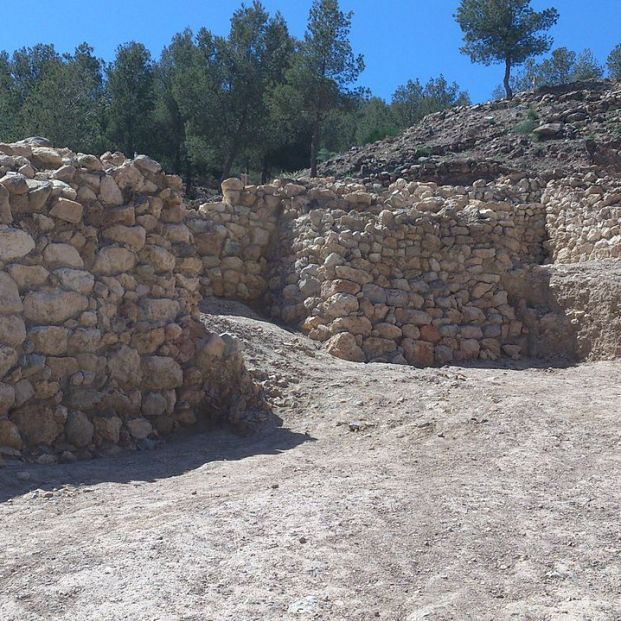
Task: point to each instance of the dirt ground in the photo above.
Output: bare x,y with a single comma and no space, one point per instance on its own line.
375,492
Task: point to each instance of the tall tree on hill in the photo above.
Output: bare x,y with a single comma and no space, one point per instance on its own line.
65,103
131,98
222,89
9,102
323,70
562,67
504,31
614,63
587,67
169,119
413,100
257,53
29,64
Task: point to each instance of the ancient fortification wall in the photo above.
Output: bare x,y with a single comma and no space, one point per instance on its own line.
102,268
415,273
583,219
100,339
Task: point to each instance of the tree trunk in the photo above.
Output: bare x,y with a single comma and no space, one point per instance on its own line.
228,164
508,79
188,176
315,146
265,170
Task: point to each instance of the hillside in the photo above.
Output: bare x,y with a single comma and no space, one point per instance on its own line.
552,132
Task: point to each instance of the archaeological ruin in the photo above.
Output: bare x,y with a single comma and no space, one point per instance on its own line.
103,266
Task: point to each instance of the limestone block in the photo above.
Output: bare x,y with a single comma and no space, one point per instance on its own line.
14,244
53,307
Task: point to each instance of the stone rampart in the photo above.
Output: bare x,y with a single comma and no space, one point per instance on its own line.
101,343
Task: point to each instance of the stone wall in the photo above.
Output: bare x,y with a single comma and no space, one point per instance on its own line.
583,219
102,268
233,239
410,274
415,273
101,343
410,286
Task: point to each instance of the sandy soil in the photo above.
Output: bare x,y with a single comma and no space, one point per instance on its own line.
376,492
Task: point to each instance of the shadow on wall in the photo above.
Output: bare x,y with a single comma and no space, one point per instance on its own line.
551,335
573,312
171,460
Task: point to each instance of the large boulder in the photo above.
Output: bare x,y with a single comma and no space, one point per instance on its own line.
12,330
79,429
8,359
67,210
39,424
161,373
113,260
344,346
49,340
7,399
134,237
109,192
53,307
9,435
341,305
75,280
124,366
62,255
10,302
14,244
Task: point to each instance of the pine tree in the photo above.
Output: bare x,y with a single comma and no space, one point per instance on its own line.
504,31
614,63
323,70
131,98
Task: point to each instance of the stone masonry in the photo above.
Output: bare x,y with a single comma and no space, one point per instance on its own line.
102,268
101,343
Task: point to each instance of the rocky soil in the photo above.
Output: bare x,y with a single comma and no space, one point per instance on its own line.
376,492
553,132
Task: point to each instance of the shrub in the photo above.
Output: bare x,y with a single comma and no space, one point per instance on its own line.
525,127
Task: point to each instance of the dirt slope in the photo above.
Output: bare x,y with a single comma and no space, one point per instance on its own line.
388,492
582,124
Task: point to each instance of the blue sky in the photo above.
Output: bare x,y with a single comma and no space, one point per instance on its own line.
400,39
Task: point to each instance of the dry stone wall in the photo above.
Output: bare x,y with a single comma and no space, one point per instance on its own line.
101,343
233,240
415,273
583,219
102,268
419,286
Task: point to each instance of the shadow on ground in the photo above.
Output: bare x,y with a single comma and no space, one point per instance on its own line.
174,459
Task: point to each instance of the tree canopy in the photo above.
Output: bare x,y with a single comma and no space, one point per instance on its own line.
256,100
504,31
614,63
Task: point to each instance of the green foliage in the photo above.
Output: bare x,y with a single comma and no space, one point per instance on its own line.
423,152
614,63
66,102
526,127
563,66
325,154
532,114
255,100
324,66
504,31
586,67
413,101
131,98
9,102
